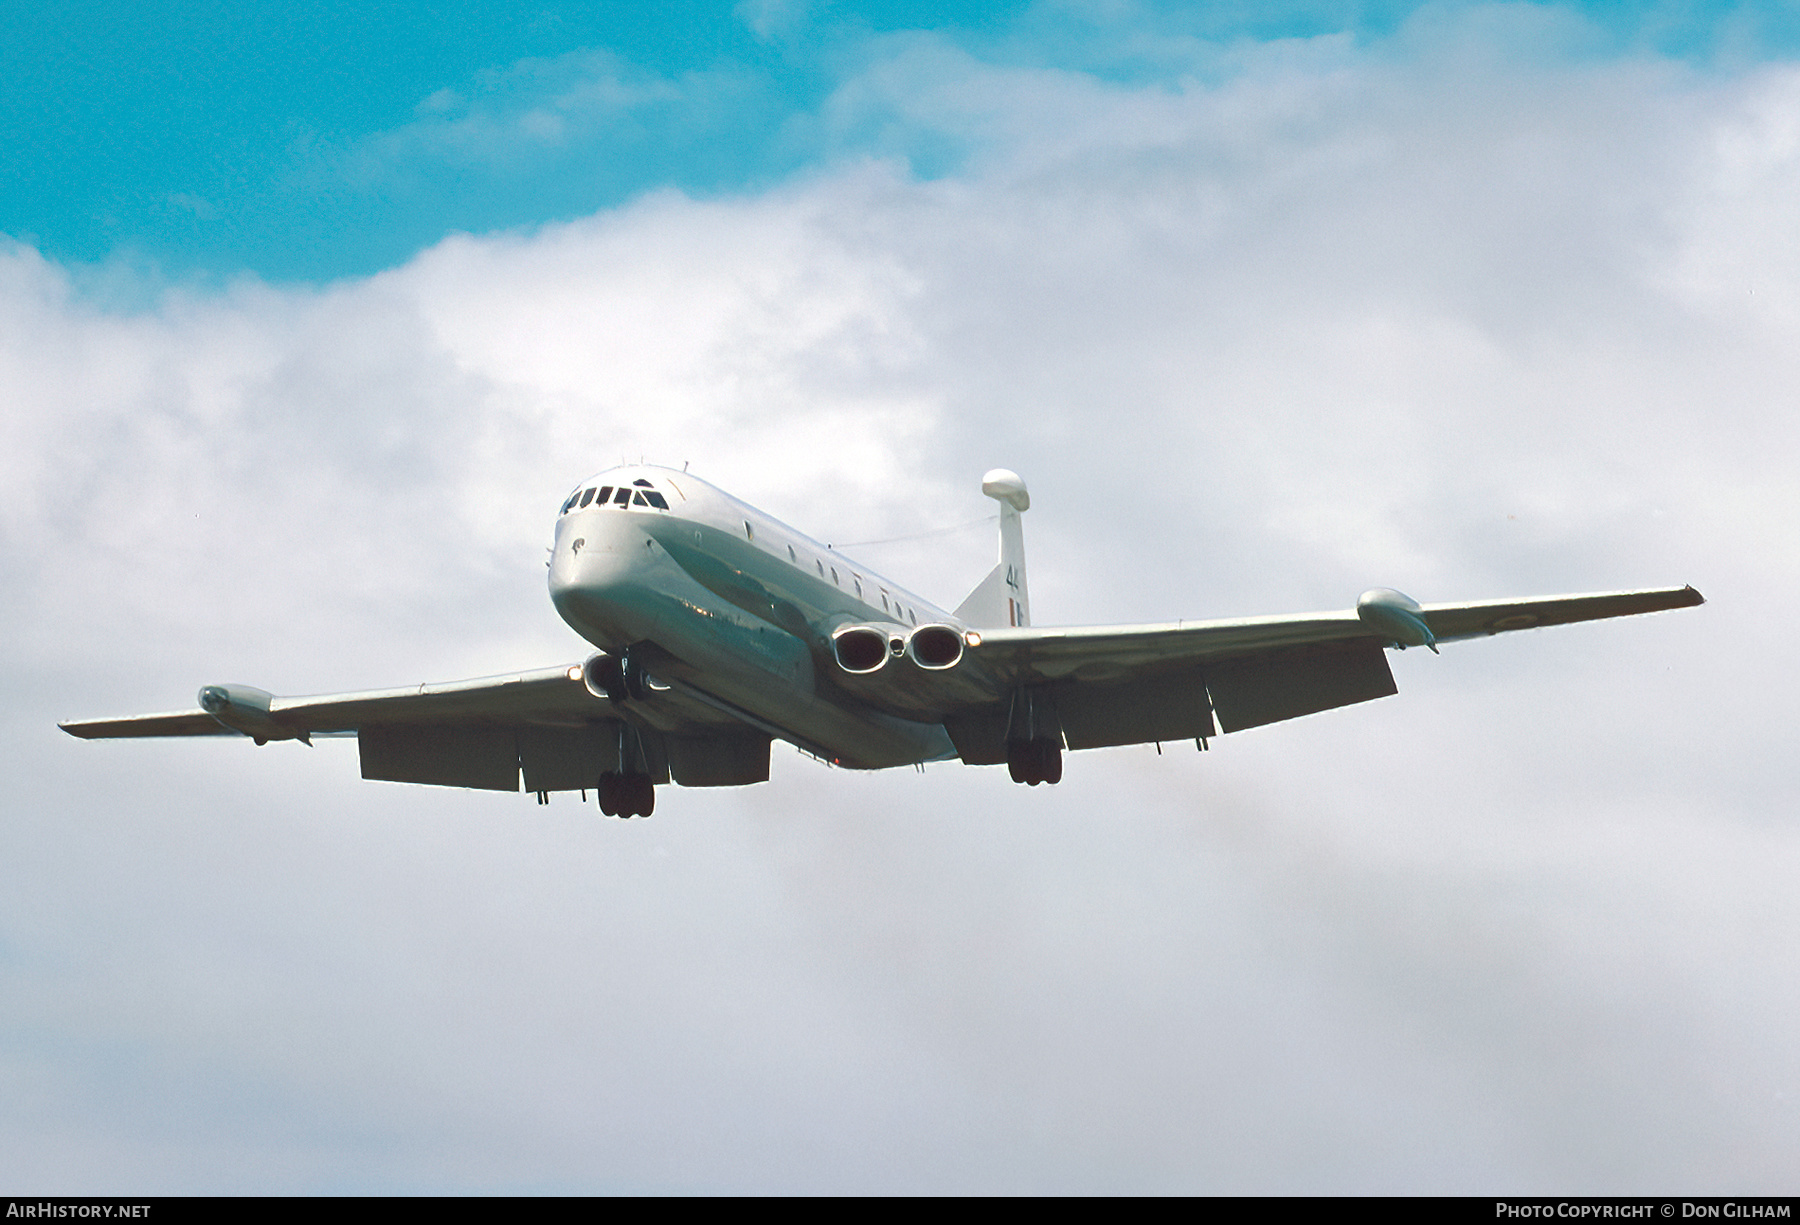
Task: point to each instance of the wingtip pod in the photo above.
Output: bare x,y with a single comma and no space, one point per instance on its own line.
1396,617
245,708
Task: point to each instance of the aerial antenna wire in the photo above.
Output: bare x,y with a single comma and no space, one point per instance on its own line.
936,531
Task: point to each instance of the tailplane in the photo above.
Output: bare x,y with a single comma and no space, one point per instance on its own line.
1001,599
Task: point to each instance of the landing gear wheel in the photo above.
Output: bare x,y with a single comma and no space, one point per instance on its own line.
1035,761
627,795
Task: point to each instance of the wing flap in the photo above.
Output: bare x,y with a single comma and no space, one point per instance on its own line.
1170,707
1268,689
486,758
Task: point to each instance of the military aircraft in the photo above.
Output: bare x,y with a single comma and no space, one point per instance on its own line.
720,630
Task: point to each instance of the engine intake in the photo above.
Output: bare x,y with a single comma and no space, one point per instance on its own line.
618,677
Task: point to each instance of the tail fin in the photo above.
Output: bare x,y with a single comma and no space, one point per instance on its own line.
1002,599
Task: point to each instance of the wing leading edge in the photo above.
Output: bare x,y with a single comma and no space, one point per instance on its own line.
1106,652
546,694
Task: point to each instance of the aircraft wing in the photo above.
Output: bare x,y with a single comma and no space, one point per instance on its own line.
546,694
175,723
1134,684
1101,651
1486,617
479,733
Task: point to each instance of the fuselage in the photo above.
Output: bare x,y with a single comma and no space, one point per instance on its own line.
729,601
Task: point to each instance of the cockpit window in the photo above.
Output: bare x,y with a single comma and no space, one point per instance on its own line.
643,482
657,500
623,497
571,501
639,500
587,495
605,493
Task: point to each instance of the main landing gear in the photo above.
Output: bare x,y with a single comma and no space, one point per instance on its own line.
1035,761
627,795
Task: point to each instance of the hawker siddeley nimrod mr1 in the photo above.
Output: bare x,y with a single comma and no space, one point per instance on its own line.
721,630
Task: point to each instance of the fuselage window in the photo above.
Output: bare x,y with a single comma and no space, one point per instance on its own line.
884,603
834,577
623,497
821,566
791,555
858,583
587,495
749,532
656,499
912,614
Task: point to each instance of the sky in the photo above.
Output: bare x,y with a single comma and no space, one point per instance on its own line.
308,322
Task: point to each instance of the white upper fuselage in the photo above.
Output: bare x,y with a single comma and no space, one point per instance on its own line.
735,603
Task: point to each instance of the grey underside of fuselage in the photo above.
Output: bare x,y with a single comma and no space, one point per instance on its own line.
712,612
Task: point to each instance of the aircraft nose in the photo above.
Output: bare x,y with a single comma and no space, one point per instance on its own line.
597,579
594,556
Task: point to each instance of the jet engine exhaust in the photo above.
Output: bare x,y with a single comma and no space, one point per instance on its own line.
860,649
935,647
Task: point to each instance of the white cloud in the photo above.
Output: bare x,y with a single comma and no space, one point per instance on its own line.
1345,318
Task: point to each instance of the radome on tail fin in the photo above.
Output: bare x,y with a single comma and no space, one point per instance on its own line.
1002,597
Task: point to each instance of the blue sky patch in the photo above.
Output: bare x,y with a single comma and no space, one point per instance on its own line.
313,142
